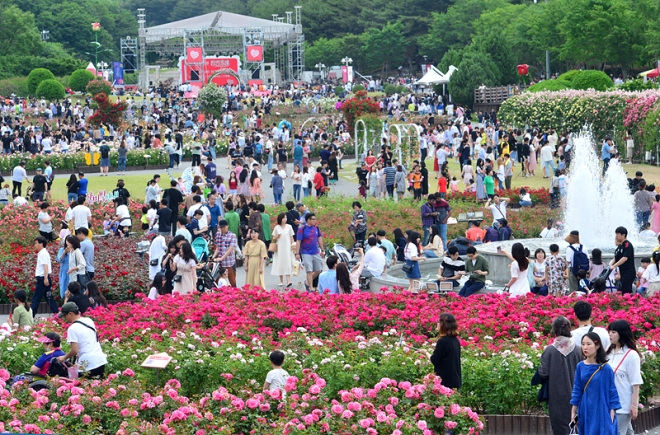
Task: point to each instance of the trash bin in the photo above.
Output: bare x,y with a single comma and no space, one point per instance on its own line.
94,156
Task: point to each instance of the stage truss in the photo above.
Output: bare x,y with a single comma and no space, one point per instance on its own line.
284,39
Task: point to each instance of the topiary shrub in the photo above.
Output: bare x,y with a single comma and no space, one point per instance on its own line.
592,79
550,85
99,86
358,88
79,80
401,89
339,90
37,76
390,89
569,75
51,89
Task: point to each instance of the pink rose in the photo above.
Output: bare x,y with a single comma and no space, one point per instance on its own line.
422,425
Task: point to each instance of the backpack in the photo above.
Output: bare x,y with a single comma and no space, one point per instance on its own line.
580,260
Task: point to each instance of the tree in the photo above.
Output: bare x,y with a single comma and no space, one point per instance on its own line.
106,112
451,57
211,98
79,79
497,48
475,68
325,51
50,89
385,47
37,76
18,32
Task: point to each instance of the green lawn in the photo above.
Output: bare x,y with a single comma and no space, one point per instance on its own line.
135,184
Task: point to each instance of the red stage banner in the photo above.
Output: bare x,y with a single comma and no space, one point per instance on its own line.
255,53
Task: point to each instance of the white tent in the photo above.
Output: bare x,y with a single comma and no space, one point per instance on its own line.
435,77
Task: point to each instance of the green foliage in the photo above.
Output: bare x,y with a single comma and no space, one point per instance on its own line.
99,86
130,78
384,47
390,89
494,44
79,80
357,88
569,75
474,69
50,89
592,79
18,32
35,77
211,98
637,85
339,90
16,86
451,57
550,85
400,89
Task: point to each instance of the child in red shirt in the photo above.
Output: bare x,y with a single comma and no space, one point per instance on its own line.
319,185
442,186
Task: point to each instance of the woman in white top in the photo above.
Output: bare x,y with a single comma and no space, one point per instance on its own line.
185,267
296,176
282,258
652,274
624,359
157,251
306,178
349,281
123,217
518,285
77,263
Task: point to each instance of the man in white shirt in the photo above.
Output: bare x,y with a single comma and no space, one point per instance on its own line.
19,201
498,207
83,338
42,274
81,214
582,310
374,260
549,232
547,160
197,204
18,175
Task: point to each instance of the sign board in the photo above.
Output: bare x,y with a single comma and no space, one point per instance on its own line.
255,53
193,71
102,196
157,361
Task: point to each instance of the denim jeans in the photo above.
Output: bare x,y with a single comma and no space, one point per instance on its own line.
70,197
296,191
525,204
40,291
212,151
172,160
427,233
305,192
430,253
550,164
121,164
443,234
390,190
270,162
642,217
278,198
470,288
297,163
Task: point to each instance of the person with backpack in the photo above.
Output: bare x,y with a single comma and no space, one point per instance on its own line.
577,257
51,342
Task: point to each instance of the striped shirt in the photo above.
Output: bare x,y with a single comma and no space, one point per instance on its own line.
390,174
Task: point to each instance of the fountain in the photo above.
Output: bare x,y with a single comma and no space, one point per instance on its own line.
595,206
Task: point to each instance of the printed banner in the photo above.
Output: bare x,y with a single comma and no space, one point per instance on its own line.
118,73
255,53
350,74
344,73
194,54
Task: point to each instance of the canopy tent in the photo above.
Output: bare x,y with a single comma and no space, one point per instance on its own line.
651,74
435,77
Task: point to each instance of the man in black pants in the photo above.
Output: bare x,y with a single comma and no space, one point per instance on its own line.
174,199
17,177
624,259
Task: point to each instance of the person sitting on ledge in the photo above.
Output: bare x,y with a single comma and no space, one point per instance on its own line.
477,269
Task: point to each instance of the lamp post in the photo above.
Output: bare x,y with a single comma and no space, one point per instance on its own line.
321,68
347,61
547,54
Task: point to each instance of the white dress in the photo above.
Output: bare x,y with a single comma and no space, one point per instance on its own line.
283,258
521,285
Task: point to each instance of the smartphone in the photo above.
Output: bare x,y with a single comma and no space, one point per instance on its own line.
499,249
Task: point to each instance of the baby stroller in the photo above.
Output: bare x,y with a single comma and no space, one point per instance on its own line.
207,277
201,248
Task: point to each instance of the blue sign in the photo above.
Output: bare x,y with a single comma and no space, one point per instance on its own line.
118,73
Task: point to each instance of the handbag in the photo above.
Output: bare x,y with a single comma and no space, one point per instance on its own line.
153,262
178,278
272,247
407,268
296,268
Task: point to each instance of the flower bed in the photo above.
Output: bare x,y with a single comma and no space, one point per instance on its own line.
350,353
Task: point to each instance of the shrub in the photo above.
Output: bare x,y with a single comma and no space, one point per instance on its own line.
550,85
99,86
51,89
358,88
79,80
390,89
637,85
401,89
37,76
16,86
339,90
592,79
211,98
569,75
